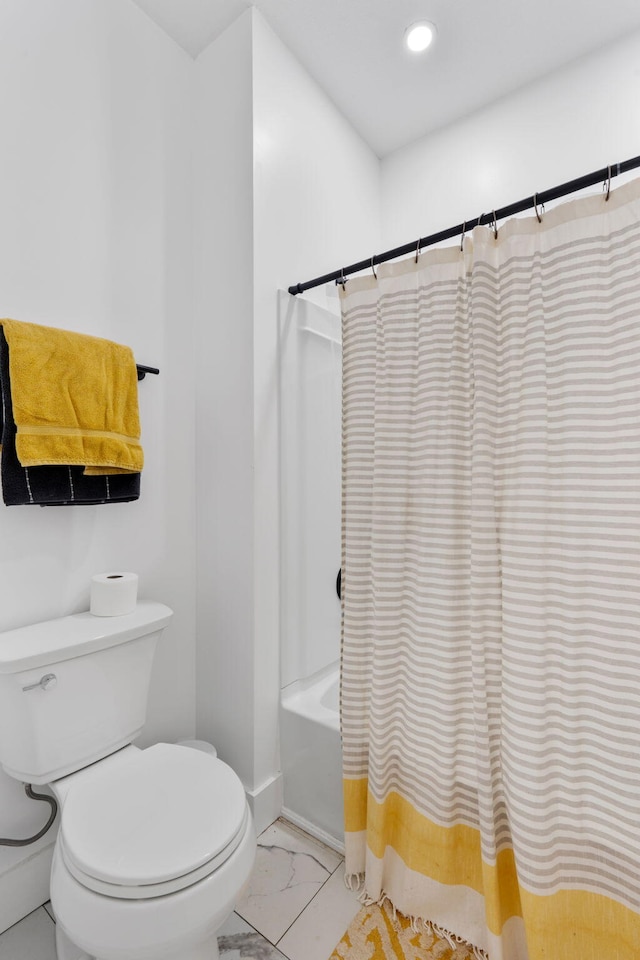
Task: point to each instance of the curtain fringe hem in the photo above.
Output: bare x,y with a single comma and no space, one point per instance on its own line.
354,881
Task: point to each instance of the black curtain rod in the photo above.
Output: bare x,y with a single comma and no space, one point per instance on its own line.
486,218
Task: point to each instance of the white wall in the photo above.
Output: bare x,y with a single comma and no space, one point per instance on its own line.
95,206
224,391
574,121
316,203
310,196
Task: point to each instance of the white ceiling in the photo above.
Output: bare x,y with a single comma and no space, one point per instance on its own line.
354,49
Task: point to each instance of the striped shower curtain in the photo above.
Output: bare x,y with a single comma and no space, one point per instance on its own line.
491,584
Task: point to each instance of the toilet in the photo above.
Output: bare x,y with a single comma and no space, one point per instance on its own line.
155,845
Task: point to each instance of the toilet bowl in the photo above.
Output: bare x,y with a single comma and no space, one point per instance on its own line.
155,846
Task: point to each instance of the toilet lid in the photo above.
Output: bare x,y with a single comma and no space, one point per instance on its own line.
162,815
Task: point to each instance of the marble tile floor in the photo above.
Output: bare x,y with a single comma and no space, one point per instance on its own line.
296,908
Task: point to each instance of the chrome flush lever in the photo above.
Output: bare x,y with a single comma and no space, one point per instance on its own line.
45,683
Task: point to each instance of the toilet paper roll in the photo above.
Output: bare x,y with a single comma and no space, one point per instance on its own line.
113,594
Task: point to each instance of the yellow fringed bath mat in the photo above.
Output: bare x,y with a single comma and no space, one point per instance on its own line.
374,934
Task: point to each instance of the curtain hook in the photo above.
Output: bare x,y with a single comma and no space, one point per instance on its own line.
607,185
464,230
418,249
495,226
342,281
535,204
373,269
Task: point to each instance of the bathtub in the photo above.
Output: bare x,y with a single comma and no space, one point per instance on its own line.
311,756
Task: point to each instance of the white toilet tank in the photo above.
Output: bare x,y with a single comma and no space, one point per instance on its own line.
73,690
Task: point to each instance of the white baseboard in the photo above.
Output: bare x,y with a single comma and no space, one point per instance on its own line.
266,802
25,886
313,831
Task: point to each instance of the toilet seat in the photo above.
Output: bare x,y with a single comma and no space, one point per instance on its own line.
164,819
146,891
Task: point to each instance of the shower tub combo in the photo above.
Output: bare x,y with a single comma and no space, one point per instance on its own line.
310,468
312,756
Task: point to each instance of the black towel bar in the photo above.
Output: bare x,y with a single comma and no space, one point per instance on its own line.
143,371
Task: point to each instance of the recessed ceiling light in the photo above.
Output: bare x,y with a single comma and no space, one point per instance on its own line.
419,36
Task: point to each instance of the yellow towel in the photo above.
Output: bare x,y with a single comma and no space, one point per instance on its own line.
75,400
